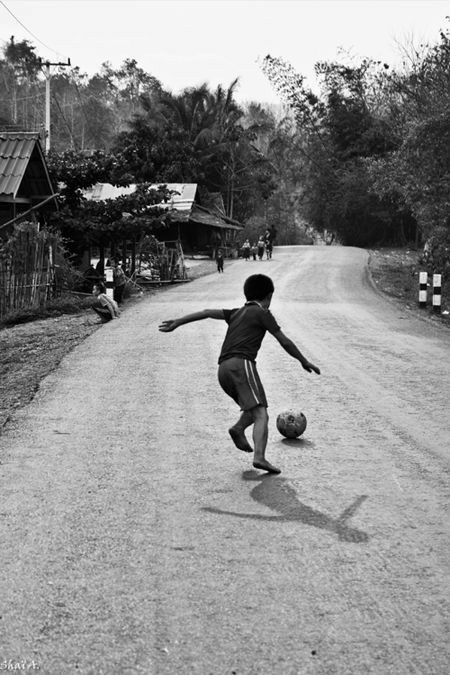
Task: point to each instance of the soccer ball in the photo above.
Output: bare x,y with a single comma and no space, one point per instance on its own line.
291,423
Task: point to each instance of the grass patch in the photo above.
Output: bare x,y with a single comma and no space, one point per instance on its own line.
65,304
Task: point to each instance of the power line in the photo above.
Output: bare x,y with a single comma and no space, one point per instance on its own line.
24,98
27,29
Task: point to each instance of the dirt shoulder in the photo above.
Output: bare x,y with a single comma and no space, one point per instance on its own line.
30,351
395,272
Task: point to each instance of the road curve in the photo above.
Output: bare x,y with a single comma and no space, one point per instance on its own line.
136,539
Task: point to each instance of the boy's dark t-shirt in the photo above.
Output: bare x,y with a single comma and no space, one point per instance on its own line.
247,326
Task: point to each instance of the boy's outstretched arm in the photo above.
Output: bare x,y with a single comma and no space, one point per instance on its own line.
171,324
294,351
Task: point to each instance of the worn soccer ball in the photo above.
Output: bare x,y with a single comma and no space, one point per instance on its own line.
291,423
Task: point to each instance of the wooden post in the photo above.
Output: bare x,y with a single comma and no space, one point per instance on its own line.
437,286
423,281
109,282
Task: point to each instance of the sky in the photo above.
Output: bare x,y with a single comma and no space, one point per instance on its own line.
184,43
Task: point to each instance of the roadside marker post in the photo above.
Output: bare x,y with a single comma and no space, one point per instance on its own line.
437,292
109,283
423,281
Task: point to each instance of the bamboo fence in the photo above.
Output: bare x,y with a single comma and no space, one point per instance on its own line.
160,262
27,276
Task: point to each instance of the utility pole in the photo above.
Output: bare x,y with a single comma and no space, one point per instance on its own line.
47,65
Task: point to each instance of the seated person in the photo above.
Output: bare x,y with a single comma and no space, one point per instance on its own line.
105,307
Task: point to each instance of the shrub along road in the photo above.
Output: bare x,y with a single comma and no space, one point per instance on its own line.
138,539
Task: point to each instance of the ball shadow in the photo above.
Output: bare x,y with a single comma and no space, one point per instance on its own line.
297,442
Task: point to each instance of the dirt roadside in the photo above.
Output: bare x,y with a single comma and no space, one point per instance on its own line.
30,351
395,272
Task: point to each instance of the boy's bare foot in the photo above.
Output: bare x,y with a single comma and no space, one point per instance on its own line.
239,439
264,465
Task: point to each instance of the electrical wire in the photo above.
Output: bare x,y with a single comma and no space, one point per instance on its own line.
24,98
27,29
81,102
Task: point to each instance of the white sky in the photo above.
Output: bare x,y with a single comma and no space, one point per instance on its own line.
184,43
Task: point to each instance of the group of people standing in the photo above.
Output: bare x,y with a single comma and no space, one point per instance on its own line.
258,248
264,245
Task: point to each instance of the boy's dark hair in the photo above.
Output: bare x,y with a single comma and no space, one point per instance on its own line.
258,286
101,286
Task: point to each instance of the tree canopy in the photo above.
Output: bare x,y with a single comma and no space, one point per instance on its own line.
376,156
366,157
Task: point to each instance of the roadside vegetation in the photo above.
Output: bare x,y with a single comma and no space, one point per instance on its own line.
67,304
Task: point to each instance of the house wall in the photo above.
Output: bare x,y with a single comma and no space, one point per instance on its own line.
193,236
6,212
196,236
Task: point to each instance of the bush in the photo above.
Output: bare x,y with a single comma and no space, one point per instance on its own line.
436,253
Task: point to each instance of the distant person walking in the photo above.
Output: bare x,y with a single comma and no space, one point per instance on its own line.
246,250
261,247
219,260
268,240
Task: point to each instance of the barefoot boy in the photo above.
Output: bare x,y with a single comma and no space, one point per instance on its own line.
237,374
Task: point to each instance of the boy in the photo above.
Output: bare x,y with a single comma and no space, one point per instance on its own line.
219,260
237,374
105,307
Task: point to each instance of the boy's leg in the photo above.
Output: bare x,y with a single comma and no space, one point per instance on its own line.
260,435
237,431
240,380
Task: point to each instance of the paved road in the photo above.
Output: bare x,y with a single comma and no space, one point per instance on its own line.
136,539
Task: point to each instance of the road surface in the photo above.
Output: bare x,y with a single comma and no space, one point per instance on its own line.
137,539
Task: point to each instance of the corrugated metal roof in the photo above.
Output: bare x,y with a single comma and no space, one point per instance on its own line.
101,191
184,196
21,156
181,204
182,200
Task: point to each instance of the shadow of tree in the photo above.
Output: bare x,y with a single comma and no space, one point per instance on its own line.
278,495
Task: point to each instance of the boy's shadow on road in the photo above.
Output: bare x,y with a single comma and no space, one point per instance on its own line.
276,493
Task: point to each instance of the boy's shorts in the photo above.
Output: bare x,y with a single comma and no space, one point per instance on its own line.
239,379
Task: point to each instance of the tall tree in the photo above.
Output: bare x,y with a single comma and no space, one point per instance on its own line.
339,130
417,173
21,105
196,136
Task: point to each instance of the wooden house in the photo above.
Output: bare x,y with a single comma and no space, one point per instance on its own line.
26,190
196,219
26,194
